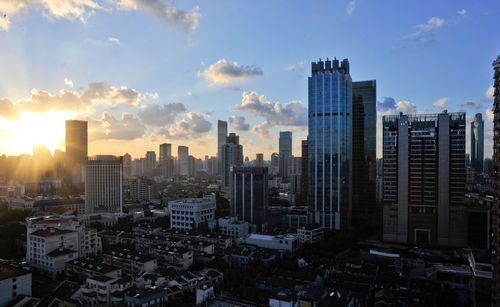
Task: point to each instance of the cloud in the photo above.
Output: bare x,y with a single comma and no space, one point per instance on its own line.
238,123
471,104
194,125
4,23
105,93
293,113
108,127
297,66
263,129
68,82
166,12
351,6
424,35
156,115
441,102
8,109
113,40
463,12
224,72
83,9
389,107
387,104
490,115
490,92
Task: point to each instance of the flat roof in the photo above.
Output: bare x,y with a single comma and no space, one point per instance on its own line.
7,271
50,231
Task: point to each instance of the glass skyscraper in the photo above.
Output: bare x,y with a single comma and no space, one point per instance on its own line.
330,143
285,151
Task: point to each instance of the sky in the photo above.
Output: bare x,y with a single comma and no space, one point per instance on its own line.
145,72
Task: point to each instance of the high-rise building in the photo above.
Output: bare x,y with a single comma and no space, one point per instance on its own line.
150,162
231,155
477,142
127,165
285,150
76,149
212,166
304,180
495,291
104,184
424,179
259,160
275,164
221,140
183,160
329,143
364,147
165,151
249,199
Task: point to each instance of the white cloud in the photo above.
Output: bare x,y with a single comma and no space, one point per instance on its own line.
471,104
432,23
224,72
263,129
351,7
194,125
490,115
156,115
297,66
463,12
68,82
489,92
113,40
238,123
108,127
8,109
4,23
424,35
441,102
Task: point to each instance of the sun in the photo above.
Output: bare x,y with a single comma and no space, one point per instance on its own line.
40,128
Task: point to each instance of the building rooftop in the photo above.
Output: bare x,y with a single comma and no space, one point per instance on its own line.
60,252
50,231
7,271
101,278
91,264
134,256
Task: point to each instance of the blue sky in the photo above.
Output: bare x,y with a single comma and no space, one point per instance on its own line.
145,72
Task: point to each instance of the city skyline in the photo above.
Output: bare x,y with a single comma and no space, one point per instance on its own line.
182,76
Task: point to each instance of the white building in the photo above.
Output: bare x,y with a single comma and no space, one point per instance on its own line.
105,291
287,242
310,234
230,226
187,213
13,282
104,184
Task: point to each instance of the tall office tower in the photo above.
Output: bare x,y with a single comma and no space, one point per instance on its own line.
165,151
424,179
127,165
212,166
192,167
76,149
231,155
477,142
59,157
104,184
150,162
259,160
183,160
364,147
275,164
221,140
495,291
330,141
285,150
304,189
249,196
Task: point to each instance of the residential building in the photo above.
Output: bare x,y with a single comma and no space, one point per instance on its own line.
127,166
285,150
103,290
230,226
221,140
130,262
135,297
477,142
104,184
231,155
183,160
495,292
83,268
310,234
150,162
249,196
76,149
141,189
364,160
13,282
330,143
287,242
187,214
424,179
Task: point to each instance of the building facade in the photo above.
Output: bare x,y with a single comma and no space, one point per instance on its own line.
221,140
495,292
187,214
259,160
76,149
285,151
183,160
13,282
304,176
249,196
477,142
127,166
424,179
104,184
330,143
231,155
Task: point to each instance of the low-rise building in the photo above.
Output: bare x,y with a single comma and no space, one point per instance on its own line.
287,242
136,297
180,257
310,234
188,213
83,268
230,226
13,282
131,262
104,290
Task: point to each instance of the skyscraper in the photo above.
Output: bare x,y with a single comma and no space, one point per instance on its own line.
304,180
183,160
259,160
104,184
477,142
150,162
165,151
285,150
76,149
231,155
364,160
127,165
221,140
424,179
329,143
495,291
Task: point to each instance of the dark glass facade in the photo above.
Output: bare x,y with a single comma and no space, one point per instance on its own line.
495,291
